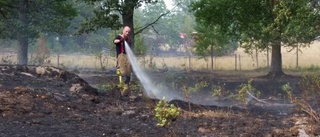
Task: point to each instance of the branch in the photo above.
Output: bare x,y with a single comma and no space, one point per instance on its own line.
155,29
3,15
148,25
292,48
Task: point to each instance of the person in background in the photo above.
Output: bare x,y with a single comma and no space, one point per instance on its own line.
123,64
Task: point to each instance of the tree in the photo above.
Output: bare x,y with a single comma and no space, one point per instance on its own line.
211,43
140,45
183,5
164,30
27,19
113,14
5,8
86,42
264,23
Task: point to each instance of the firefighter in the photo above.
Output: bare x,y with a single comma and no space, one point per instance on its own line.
123,64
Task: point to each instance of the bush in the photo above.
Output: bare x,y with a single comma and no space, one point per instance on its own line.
165,113
303,102
245,90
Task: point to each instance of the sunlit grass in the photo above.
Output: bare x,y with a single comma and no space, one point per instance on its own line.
308,61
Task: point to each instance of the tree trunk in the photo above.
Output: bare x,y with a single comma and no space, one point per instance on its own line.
211,63
127,17
267,56
297,57
211,57
235,61
257,58
276,61
22,56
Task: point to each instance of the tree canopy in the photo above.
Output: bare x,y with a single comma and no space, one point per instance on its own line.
42,16
262,23
24,20
113,14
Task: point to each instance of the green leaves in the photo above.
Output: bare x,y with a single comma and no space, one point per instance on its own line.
42,16
301,21
214,42
109,13
99,21
262,23
165,113
260,20
106,14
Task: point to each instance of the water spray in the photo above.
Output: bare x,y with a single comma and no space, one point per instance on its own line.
153,92
149,88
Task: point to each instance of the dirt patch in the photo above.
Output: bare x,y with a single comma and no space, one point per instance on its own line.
47,101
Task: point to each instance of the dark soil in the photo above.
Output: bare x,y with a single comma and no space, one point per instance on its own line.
51,102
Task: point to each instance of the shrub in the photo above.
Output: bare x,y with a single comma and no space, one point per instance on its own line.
245,90
198,86
165,113
310,88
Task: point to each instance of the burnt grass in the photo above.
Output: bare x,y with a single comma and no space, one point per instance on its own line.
51,102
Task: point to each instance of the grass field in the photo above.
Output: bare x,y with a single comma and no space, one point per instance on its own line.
308,57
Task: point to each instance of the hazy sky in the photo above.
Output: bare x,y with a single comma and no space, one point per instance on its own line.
168,3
